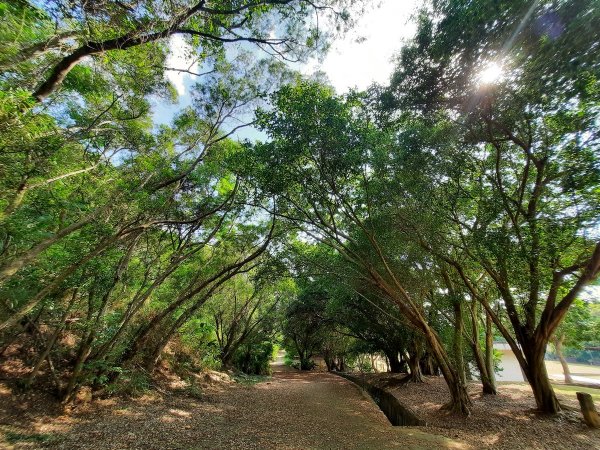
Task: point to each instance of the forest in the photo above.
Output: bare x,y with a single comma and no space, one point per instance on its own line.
415,223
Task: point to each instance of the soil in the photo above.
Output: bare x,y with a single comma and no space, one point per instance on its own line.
504,421
290,410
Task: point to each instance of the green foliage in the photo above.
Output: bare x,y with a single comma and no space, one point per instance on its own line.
132,383
392,221
249,380
116,233
254,359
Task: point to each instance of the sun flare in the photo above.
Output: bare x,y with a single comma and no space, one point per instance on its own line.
491,74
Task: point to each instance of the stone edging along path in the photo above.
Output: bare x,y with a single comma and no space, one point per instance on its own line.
397,413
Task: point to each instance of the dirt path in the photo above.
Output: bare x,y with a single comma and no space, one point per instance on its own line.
292,410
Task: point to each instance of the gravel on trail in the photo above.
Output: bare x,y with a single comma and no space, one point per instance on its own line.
290,410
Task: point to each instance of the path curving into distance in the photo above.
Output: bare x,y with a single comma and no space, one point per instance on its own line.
291,410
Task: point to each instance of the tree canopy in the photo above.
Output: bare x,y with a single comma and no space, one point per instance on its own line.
418,220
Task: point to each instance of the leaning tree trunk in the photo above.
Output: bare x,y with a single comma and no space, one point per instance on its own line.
460,401
484,365
457,340
428,365
10,268
57,282
537,376
558,343
489,354
53,338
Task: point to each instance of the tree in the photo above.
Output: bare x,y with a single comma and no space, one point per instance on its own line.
511,163
245,313
112,27
305,323
317,166
575,329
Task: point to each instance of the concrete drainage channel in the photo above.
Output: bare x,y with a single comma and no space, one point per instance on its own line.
396,412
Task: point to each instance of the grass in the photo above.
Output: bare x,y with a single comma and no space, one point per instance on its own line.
249,380
561,389
571,390
12,437
194,391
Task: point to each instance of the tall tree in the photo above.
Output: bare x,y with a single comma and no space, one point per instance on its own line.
501,114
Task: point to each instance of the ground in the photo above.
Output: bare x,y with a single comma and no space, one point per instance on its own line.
290,410
505,421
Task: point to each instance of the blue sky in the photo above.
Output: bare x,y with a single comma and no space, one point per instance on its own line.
363,56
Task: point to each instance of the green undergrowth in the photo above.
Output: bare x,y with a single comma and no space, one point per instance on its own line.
250,380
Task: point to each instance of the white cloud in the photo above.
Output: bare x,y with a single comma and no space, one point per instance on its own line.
179,58
356,62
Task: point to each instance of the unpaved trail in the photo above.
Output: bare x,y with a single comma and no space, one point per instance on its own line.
292,410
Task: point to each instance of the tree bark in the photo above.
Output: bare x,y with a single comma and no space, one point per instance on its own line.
484,365
558,343
415,368
140,36
460,401
457,339
537,376
489,354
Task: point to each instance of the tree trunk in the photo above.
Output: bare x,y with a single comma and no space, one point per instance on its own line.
154,355
537,376
46,353
55,284
457,339
558,343
373,363
128,40
305,363
37,49
483,364
394,362
428,365
329,361
530,352
192,290
460,401
415,369
489,355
